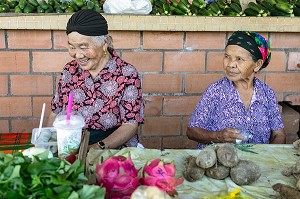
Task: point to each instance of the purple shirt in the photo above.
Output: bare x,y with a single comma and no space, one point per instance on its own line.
221,107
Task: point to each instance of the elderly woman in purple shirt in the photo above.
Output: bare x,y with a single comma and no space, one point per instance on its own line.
240,102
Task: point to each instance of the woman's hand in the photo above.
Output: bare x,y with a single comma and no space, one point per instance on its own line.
229,135
204,136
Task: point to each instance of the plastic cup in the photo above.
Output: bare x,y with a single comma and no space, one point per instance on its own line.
246,135
68,135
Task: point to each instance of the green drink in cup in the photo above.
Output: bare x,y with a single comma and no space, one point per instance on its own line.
69,132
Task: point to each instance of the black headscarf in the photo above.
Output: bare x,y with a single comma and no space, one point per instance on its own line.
87,22
253,42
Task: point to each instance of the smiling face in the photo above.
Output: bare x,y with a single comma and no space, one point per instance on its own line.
88,53
238,64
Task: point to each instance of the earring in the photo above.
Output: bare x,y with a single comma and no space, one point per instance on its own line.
104,53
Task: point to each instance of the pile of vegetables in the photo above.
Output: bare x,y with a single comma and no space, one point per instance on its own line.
261,8
40,177
218,162
286,191
50,6
120,177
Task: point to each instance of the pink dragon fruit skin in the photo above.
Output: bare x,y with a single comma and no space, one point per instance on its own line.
162,175
119,176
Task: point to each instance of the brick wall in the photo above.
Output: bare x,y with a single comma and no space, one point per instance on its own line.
176,67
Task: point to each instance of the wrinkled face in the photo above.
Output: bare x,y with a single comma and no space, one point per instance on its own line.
238,63
85,51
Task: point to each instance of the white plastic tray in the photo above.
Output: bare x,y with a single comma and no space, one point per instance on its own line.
45,144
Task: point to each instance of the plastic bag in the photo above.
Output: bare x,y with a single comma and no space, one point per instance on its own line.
127,6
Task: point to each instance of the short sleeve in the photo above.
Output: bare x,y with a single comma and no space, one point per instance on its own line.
132,103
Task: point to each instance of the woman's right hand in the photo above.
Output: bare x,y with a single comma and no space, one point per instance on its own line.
229,135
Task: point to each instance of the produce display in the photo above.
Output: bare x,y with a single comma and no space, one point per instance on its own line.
219,162
287,191
120,177
49,6
40,177
262,8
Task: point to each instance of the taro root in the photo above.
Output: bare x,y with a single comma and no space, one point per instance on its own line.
218,172
245,173
206,158
191,171
227,155
286,191
296,144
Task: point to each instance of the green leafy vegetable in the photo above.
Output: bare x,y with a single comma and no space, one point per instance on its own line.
245,147
40,177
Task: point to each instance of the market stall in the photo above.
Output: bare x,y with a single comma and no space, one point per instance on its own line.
272,159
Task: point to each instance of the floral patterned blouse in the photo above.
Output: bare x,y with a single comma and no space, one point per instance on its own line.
112,98
221,107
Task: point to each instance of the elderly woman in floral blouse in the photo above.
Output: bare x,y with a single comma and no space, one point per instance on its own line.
107,90
239,102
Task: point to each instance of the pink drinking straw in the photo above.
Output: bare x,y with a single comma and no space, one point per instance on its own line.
69,109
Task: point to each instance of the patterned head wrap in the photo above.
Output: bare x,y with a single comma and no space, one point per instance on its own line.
87,22
253,42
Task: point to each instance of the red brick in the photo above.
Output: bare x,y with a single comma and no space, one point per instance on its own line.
60,39
4,85
4,126
31,85
15,107
184,61
278,62
215,61
38,105
294,60
125,39
285,40
293,99
284,82
2,39
29,39
161,126
205,40
145,61
179,105
279,97
186,120
25,126
153,105
290,118
151,143
178,142
261,75
162,40
14,61
50,61
162,83
197,83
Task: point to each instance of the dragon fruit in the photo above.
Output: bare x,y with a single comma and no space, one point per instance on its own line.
119,176
162,175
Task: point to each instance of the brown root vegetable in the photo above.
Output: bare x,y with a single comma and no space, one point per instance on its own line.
206,158
218,172
298,184
296,144
246,172
296,167
227,155
286,191
191,171
288,171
